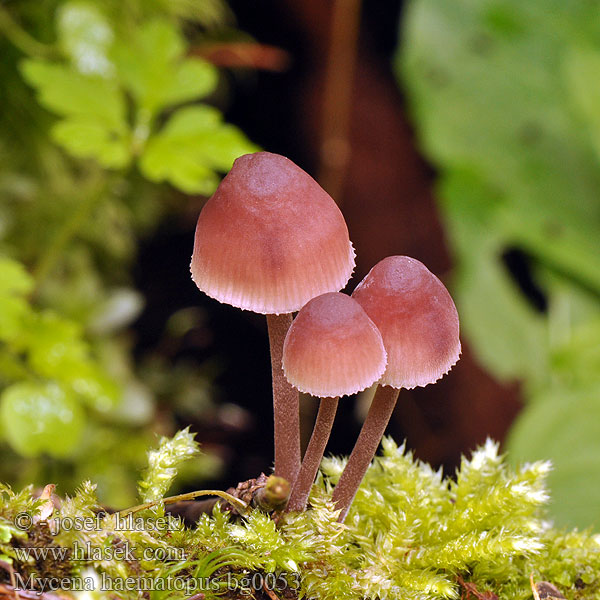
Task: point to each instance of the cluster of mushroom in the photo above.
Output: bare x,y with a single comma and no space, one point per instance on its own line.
272,241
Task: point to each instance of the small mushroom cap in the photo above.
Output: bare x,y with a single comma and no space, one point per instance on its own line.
417,319
332,348
270,238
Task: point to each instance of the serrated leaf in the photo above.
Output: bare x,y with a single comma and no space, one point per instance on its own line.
184,172
89,138
191,147
194,119
41,418
161,38
85,35
94,125
193,78
151,67
72,94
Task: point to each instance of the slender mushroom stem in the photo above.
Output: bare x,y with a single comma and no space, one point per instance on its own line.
314,454
286,404
365,448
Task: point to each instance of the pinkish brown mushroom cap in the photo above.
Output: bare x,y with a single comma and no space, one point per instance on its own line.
333,348
417,319
270,238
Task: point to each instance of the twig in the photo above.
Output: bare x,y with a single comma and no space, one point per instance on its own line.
240,505
471,589
29,594
11,573
198,596
270,592
244,54
21,39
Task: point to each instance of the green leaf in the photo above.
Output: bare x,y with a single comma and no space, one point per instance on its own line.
577,361
57,351
56,347
582,74
562,422
493,88
15,283
507,107
12,313
94,125
507,334
85,36
491,98
563,425
72,94
191,147
41,418
560,237
88,138
193,78
151,67
14,279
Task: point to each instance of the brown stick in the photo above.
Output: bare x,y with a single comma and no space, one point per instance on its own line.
314,454
286,404
365,448
337,100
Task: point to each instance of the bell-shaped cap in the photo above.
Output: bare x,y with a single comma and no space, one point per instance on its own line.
332,348
270,238
417,319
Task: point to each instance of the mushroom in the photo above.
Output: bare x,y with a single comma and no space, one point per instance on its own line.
332,349
419,324
268,240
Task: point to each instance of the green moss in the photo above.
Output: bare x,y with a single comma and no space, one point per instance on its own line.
411,534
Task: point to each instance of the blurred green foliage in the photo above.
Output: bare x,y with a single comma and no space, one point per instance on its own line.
100,104
144,72
506,101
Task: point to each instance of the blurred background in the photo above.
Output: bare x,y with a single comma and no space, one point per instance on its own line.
465,134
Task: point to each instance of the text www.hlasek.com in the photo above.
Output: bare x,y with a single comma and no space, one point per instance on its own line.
88,552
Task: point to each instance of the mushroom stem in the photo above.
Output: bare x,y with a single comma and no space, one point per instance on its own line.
314,454
286,404
365,448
